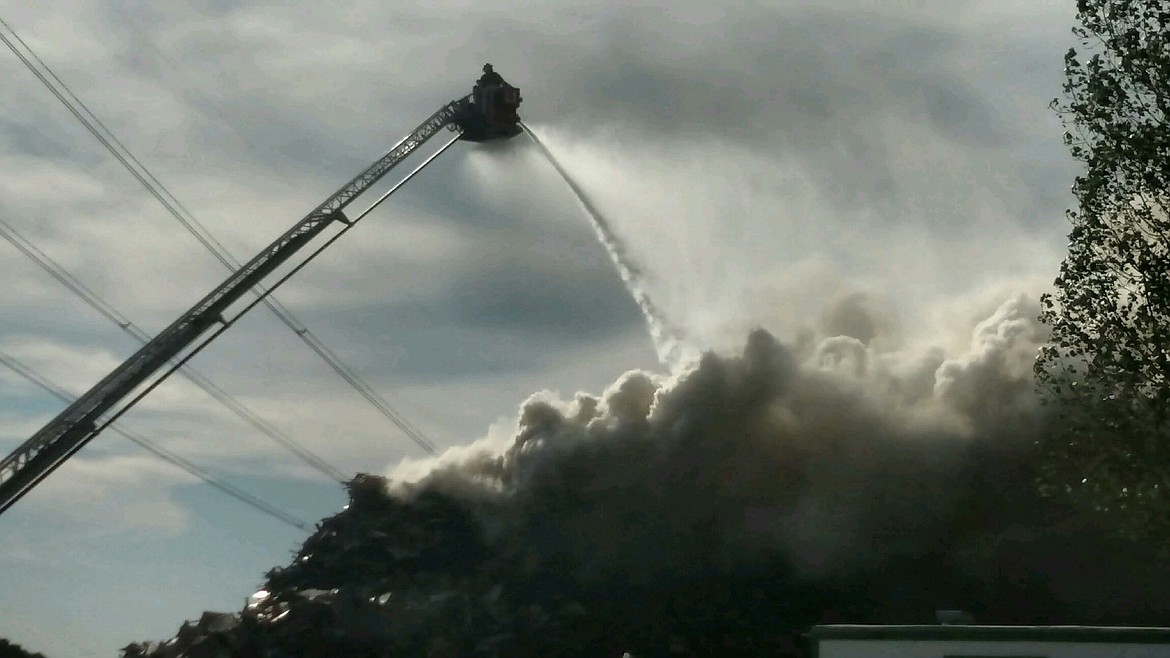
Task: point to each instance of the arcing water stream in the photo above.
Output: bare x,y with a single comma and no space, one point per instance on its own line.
673,350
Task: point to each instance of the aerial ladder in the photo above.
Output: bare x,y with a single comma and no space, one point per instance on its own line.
488,113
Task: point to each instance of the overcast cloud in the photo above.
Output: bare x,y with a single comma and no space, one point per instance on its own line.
763,164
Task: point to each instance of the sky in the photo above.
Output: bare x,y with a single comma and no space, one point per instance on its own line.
760,165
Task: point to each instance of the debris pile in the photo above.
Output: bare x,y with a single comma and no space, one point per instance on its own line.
207,638
388,577
371,581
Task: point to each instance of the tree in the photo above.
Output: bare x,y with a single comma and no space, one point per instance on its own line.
1106,369
10,650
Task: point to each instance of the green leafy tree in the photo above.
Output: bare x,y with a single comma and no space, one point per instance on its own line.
1107,367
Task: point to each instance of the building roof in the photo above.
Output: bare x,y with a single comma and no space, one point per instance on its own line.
1091,634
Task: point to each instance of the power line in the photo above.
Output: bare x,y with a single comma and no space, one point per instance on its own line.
229,322
201,233
45,262
235,492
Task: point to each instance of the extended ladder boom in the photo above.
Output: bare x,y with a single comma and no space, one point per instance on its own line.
80,422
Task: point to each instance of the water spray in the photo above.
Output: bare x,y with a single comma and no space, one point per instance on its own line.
673,350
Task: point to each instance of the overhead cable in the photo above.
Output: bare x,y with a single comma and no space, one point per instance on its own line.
162,453
45,262
227,323
177,210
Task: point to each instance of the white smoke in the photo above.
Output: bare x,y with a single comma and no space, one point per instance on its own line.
727,237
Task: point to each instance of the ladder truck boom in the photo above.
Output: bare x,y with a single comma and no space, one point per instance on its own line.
489,112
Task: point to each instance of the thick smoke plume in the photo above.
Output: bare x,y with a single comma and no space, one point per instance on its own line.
828,461
717,512
829,455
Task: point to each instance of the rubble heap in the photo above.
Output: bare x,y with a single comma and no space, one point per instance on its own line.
370,578
389,578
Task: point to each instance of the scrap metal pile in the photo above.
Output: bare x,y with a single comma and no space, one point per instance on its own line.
388,578
374,580
425,576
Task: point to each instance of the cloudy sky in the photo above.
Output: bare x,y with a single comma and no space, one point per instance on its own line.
760,164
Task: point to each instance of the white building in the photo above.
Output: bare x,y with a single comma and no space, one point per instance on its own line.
971,641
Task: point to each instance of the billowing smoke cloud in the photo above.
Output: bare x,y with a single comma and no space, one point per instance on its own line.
902,476
719,511
830,453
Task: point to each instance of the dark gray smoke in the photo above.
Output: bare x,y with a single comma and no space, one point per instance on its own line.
832,455
720,512
905,479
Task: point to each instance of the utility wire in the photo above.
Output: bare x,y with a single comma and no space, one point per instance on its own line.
235,492
45,262
228,323
201,233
